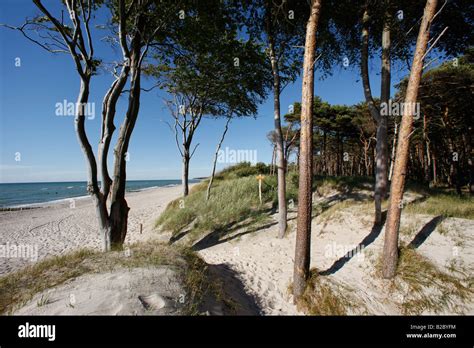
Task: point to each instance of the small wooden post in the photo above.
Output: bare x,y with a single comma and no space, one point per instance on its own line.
260,177
141,227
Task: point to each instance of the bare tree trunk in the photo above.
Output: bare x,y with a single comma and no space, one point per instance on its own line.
381,176
381,158
426,150
303,232
325,165
394,144
119,209
281,160
113,225
366,145
272,169
470,161
108,128
209,186
390,252
185,174
92,182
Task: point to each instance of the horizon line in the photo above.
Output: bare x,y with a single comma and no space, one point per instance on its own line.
85,181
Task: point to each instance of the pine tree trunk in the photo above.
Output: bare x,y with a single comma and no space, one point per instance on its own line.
435,173
303,233
325,166
390,251
272,168
281,165
470,160
381,176
394,145
381,148
426,148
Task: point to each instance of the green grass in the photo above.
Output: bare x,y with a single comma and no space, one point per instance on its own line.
425,288
241,170
17,288
232,201
445,204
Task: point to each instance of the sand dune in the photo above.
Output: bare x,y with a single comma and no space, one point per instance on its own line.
262,263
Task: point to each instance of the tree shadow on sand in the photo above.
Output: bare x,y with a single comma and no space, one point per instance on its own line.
369,239
236,300
419,239
227,229
425,232
214,238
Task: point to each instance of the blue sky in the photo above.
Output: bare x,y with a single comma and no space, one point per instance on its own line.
47,143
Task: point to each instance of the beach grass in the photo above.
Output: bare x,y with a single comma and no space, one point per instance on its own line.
232,201
423,287
444,204
17,288
325,296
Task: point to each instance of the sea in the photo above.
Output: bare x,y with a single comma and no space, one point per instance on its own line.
30,194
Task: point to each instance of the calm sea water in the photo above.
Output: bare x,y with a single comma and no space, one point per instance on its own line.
40,192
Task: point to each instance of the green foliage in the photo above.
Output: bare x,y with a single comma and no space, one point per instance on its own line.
208,64
243,169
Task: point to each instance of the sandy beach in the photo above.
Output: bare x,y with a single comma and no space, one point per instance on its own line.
347,250
58,228
262,262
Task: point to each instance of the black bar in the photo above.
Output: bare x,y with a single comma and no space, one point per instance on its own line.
195,331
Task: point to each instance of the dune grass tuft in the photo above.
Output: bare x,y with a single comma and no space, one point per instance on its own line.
17,288
324,296
424,288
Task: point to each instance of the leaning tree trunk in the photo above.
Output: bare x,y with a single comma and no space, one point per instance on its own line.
209,186
281,160
108,112
390,251
303,232
92,184
118,217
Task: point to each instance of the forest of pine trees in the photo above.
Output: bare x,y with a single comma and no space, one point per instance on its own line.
441,144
